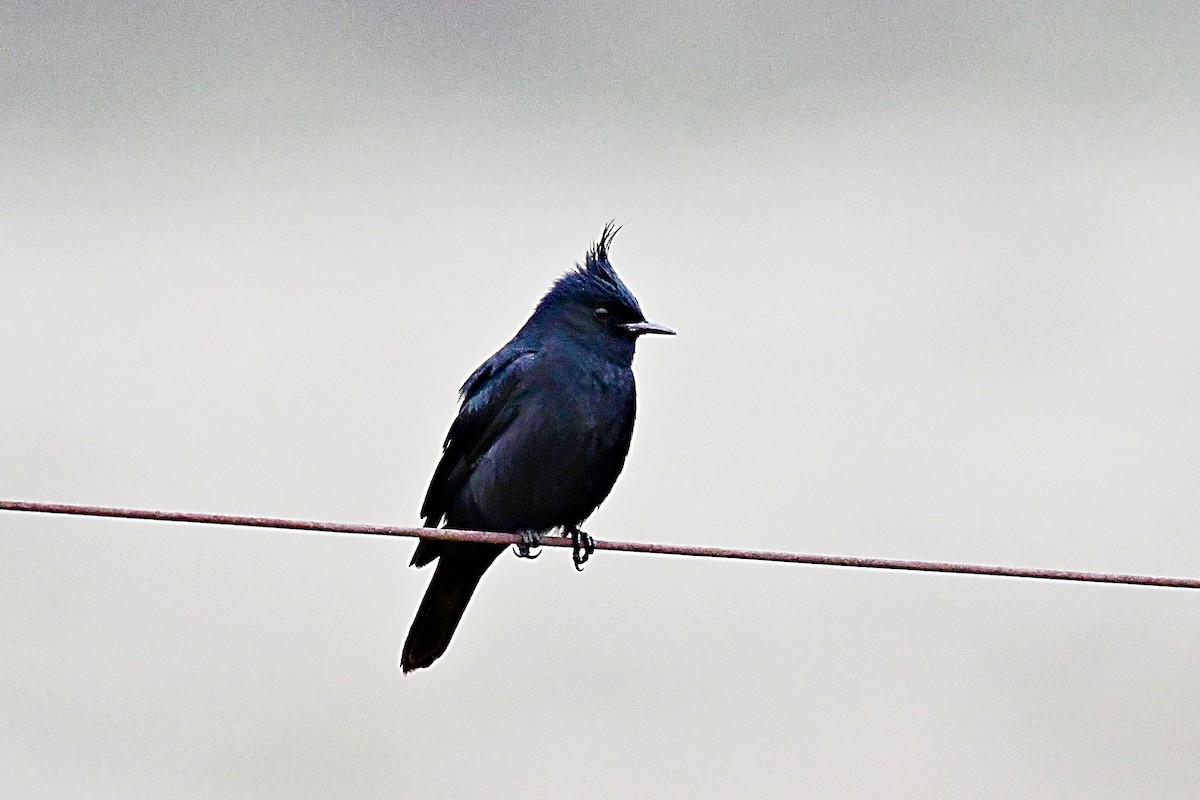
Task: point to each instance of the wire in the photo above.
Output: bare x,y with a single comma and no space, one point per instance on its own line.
628,547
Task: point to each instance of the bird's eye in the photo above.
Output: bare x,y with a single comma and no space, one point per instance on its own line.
601,313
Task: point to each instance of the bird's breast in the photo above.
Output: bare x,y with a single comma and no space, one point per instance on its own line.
562,454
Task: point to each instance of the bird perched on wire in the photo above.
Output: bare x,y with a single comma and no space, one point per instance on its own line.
541,435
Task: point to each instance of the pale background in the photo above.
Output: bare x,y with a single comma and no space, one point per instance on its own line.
934,269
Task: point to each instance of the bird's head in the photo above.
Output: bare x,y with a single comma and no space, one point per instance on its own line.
591,303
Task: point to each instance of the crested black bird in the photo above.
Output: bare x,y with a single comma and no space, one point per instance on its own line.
542,432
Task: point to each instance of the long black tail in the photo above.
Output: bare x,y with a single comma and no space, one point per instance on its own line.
460,566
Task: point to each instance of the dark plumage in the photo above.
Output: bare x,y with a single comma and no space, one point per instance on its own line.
540,437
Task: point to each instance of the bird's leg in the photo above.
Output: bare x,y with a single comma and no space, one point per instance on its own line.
529,540
582,546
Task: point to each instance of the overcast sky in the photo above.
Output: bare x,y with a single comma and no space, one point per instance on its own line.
934,271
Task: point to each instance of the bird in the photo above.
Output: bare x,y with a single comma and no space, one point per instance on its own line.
542,432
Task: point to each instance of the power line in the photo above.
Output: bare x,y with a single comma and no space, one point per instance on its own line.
601,544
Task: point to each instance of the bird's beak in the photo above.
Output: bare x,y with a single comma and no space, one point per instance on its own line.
646,326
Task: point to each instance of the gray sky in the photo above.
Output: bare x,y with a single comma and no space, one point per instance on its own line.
934,269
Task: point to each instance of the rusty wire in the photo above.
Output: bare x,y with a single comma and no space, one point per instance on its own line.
601,544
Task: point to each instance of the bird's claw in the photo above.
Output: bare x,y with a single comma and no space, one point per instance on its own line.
529,541
582,547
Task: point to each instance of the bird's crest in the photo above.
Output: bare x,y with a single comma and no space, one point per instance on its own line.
595,279
596,261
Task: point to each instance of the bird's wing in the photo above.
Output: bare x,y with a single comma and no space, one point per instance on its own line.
490,403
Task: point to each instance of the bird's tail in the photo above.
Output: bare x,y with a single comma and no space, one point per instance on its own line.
458,572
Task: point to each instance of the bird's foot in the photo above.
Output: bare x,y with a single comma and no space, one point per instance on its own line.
529,541
582,547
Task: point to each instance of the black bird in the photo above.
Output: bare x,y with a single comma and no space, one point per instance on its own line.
541,435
